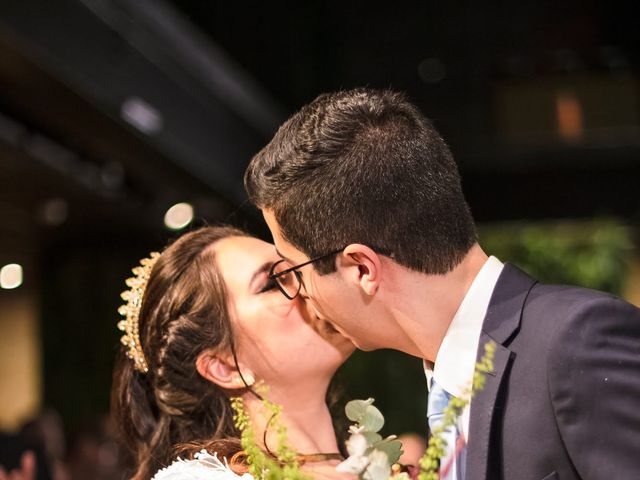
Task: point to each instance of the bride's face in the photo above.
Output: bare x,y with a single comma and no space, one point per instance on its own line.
280,340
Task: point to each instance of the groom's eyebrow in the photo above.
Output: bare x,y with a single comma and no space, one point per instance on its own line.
283,257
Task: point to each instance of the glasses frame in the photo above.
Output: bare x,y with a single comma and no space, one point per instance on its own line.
294,270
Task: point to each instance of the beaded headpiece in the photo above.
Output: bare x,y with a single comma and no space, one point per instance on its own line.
131,311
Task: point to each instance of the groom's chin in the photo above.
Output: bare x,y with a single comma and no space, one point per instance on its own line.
330,334
322,327
353,344
364,346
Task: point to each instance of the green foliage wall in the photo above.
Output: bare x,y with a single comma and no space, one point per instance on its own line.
593,254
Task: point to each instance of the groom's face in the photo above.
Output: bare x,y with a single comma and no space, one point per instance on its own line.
330,297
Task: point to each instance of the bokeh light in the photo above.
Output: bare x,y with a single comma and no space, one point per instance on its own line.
178,216
11,276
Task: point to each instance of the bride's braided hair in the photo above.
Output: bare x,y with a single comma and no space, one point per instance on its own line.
184,312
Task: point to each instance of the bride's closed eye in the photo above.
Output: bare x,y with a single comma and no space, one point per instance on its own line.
269,285
260,281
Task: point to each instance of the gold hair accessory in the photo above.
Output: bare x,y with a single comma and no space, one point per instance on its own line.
131,311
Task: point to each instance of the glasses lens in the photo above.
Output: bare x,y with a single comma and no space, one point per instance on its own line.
289,282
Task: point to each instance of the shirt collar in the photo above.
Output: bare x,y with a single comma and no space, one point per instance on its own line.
456,358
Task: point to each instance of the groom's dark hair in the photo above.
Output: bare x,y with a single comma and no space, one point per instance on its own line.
364,166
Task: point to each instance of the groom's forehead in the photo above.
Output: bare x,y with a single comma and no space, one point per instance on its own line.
274,227
289,253
283,256
283,248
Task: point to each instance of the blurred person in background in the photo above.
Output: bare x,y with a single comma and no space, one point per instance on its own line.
36,452
25,469
93,453
47,430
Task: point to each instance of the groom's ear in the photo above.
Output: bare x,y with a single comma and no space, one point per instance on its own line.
365,267
220,368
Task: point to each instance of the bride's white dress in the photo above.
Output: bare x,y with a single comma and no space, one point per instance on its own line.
204,466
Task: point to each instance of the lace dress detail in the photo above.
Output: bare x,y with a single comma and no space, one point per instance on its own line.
204,466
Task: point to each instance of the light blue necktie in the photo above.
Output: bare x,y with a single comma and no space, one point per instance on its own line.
438,400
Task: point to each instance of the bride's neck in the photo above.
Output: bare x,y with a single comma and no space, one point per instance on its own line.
304,414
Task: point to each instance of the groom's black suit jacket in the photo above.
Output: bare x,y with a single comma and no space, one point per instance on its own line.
563,401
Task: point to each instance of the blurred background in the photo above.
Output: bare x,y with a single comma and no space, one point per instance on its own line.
124,122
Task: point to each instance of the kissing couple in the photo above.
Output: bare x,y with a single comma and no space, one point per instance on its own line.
375,247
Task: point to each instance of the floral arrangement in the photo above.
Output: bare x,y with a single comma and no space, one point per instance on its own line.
371,457
261,465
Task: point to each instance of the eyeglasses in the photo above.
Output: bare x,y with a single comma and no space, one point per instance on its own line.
289,280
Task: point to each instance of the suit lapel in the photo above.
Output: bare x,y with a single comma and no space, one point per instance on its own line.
500,324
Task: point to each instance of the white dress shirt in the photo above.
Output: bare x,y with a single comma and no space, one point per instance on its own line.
456,358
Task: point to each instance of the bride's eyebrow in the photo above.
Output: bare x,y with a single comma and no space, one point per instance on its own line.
264,268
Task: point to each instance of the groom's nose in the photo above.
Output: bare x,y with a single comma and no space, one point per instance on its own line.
303,291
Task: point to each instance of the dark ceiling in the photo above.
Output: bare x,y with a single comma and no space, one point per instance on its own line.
221,76
488,74
298,49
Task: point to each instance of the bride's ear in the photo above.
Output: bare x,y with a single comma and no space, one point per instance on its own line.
221,369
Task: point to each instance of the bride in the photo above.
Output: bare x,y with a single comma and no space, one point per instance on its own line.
204,323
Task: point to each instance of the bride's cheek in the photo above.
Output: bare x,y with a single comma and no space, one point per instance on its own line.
279,307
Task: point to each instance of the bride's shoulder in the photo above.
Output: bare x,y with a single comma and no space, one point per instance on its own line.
203,466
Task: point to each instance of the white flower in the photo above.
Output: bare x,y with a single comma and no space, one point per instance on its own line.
370,456
357,461
355,464
353,429
378,468
357,444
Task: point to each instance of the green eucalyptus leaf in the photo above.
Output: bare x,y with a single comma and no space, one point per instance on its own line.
356,409
372,419
392,447
371,437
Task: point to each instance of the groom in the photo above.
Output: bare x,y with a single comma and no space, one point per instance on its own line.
365,205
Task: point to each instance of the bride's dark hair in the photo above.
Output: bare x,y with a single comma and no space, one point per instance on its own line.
184,312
